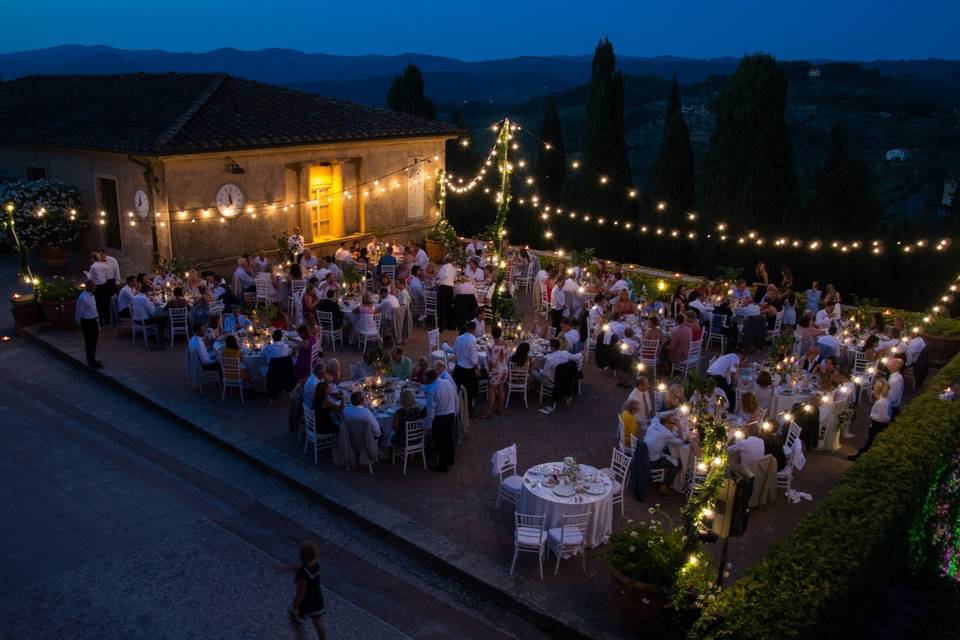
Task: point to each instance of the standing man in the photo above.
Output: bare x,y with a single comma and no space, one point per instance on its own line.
895,393
557,305
113,275
295,243
88,319
724,372
446,279
99,274
441,410
467,372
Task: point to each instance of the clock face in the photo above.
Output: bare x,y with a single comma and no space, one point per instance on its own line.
141,203
230,200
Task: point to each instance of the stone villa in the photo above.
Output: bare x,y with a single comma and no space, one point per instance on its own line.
208,166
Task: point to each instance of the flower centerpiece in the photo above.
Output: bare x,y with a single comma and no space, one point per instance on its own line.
571,470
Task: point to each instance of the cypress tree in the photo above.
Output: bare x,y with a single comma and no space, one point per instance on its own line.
748,174
406,94
844,196
550,170
604,147
671,176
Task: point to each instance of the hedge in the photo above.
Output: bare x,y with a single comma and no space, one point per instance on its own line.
824,579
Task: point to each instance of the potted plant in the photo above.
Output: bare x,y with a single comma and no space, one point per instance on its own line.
58,301
46,215
25,310
654,566
441,240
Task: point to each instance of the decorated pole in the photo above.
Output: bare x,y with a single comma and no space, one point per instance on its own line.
21,250
503,208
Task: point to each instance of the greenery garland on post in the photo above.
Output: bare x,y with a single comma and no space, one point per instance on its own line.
9,224
503,208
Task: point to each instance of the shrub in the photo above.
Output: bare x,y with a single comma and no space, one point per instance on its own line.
56,289
823,580
46,212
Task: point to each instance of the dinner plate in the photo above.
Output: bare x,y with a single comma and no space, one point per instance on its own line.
564,490
595,488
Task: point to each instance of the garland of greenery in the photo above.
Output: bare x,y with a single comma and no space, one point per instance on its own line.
503,208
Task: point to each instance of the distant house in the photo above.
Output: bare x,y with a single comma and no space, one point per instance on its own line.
814,73
233,161
897,155
699,109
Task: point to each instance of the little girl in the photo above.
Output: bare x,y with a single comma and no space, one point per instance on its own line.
308,602
879,415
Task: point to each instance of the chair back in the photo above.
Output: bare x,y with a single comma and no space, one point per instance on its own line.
216,308
574,522
719,323
519,374
433,340
325,318
231,368
178,316
315,354
297,285
309,423
414,436
389,270
793,434
620,464
530,525
504,462
650,350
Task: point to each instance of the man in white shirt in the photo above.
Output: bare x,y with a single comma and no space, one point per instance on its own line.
86,316
308,261
114,266
657,439
911,348
442,404
724,371
295,243
245,277
481,321
571,335
388,304
446,279
824,317
331,267
310,385
829,344
695,302
260,262
473,271
558,305
100,272
276,349
895,394
740,291
619,285
141,309
356,412
422,259
556,357
747,308
197,347
125,297
475,248
467,372
750,448
343,254
372,246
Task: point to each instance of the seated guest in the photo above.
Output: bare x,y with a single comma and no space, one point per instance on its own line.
141,309
824,317
178,301
695,329
419,373
307,260
311,384
696,304
521,354
571,335
763,390
809,360
198,348
630,425
331,372
678,348
646,404
276,349
658,438
400,365
303,365
653,330
244,274
327,407
674,397
623,305
387,259
473,270
356,412
806,331
126,295
556,357
260,262
236,321
828,377
619,284
328,304
870,348
748,308
749,408
329,284
409,411
388,304
829,344
741,291
231,349
750,448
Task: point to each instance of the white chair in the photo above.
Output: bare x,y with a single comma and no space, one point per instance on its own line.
529,537
505,468
692,361
231,378
178,323
328,331
697,475
430,307
370,335
569,538
551,333
315,354
319,442
206,375
649,353
463,416
517,382
773,334
146,328
389,270
719,325
413,443
620,466
434,351
216,308
785,475
264,293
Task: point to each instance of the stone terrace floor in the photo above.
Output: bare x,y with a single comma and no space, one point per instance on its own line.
456,511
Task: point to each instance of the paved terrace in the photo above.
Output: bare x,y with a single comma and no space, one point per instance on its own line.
449,516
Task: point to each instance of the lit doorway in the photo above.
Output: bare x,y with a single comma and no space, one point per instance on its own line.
326,202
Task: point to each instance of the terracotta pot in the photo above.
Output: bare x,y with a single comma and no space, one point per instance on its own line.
435,251
941,349
638,603
60,314
25,311
55,257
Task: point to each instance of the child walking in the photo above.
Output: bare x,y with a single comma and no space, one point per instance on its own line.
308,601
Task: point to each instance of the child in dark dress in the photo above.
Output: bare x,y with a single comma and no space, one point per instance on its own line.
308,602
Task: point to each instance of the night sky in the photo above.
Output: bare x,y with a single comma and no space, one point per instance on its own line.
861,30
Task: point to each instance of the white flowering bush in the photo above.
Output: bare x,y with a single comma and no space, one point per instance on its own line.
45,212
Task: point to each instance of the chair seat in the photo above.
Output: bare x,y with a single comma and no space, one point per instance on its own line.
527,537
512,484
571,537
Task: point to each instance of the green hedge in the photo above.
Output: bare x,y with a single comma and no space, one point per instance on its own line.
823,580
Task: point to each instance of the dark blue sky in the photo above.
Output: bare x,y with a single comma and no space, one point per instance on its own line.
843,29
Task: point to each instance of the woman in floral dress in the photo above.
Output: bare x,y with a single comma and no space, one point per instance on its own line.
498,369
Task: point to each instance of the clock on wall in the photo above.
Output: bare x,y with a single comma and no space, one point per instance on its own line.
141,203
230,200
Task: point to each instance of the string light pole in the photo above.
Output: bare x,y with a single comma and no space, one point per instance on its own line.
503,208
21,250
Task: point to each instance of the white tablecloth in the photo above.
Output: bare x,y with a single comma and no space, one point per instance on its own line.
536,499
782,402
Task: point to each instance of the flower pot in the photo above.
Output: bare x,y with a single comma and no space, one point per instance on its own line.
435,251
638,603
941,349
59,313
25,311
55,257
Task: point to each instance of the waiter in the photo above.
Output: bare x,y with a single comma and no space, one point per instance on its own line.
467,372
99,274
441,411
446,279
88,319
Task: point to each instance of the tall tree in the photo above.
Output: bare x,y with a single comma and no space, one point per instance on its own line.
606,174
671,176
550,170
406,94
844,196
748,174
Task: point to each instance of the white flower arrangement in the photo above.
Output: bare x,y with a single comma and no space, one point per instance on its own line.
46,212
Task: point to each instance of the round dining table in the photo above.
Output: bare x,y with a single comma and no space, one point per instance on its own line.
537,497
